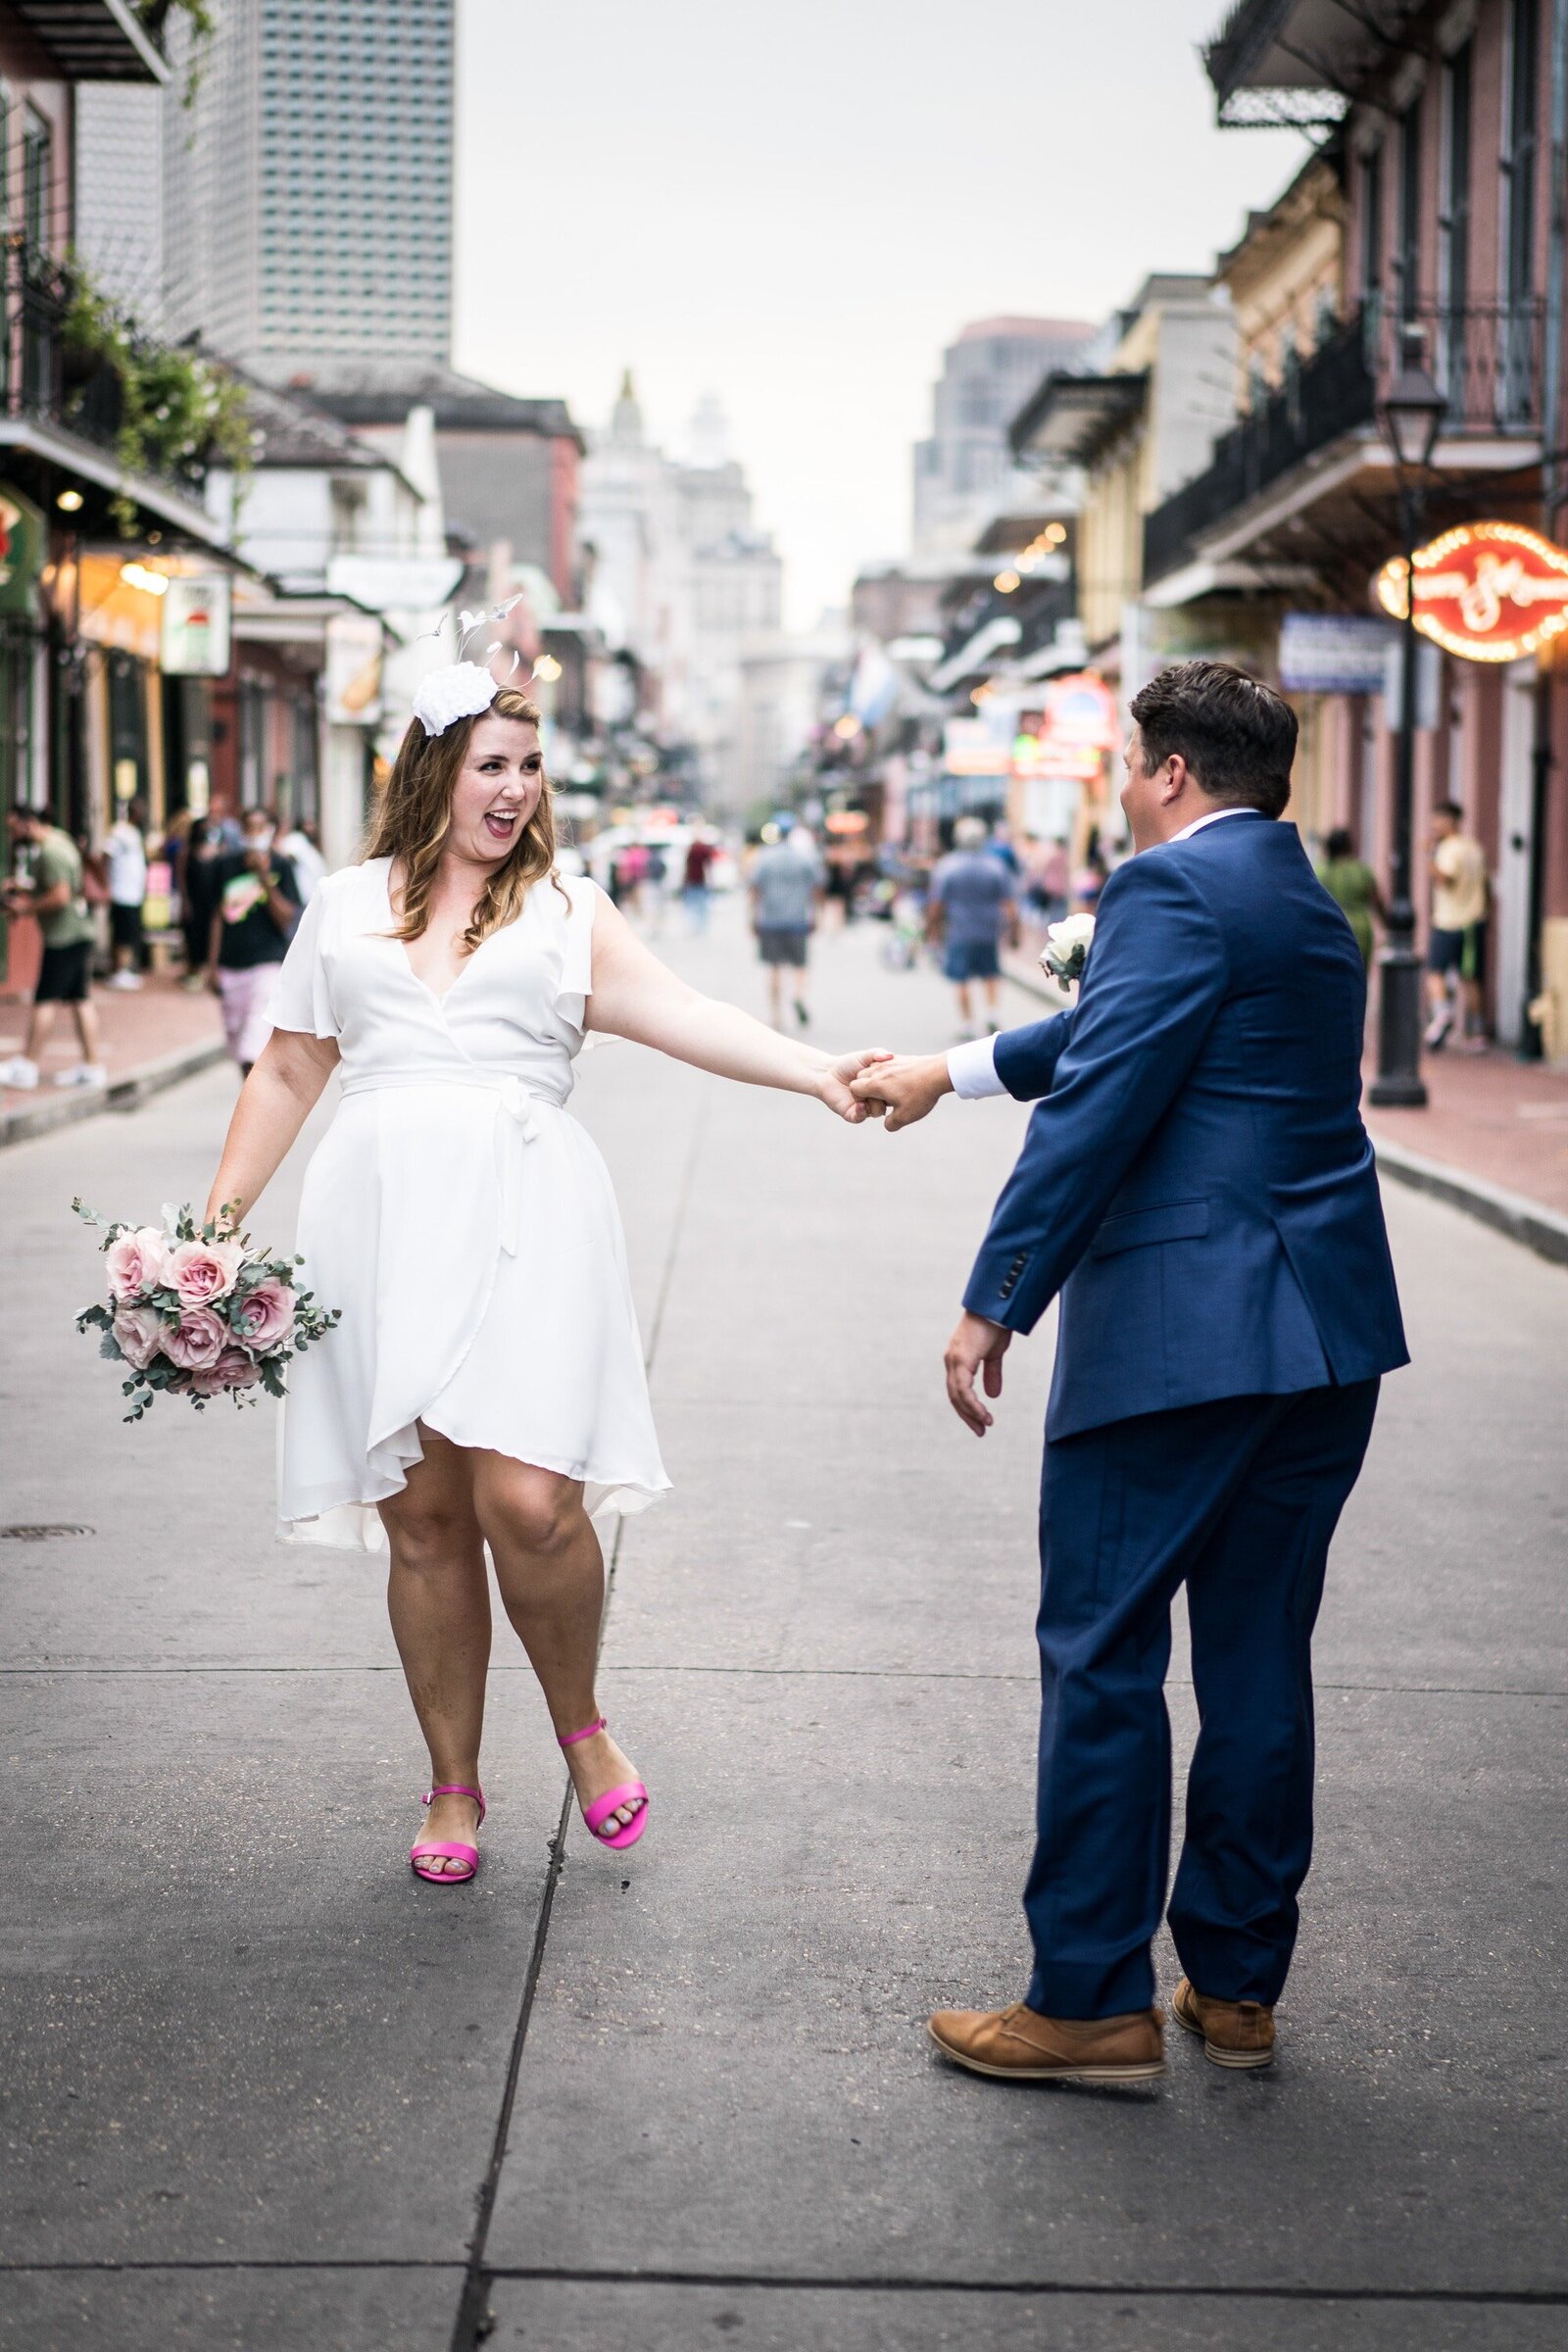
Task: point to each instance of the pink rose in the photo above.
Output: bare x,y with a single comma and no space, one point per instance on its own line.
202,1271
235,1368
264,1316
197,1341
140,1331
138,1262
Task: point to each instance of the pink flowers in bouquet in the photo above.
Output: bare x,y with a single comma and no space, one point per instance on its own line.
195,1311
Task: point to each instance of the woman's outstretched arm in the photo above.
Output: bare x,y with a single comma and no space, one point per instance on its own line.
635,995
274,1102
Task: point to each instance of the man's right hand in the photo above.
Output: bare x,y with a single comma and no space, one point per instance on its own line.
911,1085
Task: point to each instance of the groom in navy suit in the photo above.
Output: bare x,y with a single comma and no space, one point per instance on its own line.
1197,1190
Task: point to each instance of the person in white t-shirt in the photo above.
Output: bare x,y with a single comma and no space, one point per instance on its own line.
298,846
1456,941
126,851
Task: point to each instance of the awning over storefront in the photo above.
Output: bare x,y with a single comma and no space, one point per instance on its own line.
1073,418
94,40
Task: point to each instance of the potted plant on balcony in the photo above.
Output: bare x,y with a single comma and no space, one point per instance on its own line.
165,409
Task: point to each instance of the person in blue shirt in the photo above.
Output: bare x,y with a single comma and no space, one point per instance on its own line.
969,908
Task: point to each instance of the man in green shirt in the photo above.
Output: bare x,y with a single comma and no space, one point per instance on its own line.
52,896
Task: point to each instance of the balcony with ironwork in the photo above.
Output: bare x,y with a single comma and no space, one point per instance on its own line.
62,411
1487,358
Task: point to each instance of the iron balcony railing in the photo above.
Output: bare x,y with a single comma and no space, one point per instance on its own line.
42,374
1487,358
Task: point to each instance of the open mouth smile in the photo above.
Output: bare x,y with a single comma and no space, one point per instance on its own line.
501,823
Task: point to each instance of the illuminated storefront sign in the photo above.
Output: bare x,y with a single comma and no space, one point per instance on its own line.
1487,591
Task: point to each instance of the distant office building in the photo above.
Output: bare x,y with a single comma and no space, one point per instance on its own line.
963,474
682,578
119,192
307,194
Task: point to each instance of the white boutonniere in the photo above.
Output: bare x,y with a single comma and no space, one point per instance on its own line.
1066,948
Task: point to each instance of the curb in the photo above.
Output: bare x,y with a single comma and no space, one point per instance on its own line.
1524,1221
126,1094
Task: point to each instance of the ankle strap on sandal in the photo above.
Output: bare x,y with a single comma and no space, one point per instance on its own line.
455,1789
571,1738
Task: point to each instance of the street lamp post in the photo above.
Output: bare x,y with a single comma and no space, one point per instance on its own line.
1409,416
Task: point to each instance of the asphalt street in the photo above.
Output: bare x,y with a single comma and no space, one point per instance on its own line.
264,2089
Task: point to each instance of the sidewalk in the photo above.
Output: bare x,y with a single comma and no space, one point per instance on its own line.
152,1037
1496,1130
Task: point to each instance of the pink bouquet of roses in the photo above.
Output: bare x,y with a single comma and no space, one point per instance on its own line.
195,1311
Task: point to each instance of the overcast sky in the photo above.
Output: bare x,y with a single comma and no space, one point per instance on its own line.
795,206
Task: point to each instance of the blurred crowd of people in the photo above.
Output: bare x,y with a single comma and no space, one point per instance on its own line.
229,890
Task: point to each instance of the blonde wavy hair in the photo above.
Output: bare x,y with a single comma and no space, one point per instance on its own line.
414,817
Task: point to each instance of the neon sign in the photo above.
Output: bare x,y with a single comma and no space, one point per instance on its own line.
1486,591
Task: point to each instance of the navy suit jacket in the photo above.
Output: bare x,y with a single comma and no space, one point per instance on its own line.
1196,1181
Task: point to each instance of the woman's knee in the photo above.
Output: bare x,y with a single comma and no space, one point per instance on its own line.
431,1533
534,1509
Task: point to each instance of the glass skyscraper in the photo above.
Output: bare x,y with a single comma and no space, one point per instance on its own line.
307,187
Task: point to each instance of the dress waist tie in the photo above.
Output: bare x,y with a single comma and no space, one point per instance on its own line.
515,1126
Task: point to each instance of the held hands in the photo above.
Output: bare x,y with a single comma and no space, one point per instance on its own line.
976,1346
836,1084
905,1084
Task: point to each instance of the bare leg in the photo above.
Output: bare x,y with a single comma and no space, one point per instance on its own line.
40,1024
803,1004
775,994
551,1573
965,1007
438,1597
993,998
86,1015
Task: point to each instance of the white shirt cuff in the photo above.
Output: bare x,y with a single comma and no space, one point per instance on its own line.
973,1069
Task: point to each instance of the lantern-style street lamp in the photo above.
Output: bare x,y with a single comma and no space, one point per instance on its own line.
1409,414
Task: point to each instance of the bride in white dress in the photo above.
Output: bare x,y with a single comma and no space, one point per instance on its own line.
486,1387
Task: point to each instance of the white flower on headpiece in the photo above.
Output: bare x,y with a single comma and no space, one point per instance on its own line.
459,691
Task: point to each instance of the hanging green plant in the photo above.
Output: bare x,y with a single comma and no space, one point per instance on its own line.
179,410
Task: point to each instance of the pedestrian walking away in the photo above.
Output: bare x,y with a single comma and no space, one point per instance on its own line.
1353,888
1198,1187
696,888
255,908
969,908
51,895
126,851
1457,946
198,865
786,887
486,1386
299,845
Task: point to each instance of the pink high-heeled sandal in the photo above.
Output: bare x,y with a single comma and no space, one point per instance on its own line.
612,1801
435,1849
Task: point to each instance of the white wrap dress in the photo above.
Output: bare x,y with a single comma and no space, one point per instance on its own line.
462,1220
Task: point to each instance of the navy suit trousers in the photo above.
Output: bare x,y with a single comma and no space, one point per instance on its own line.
1238,1501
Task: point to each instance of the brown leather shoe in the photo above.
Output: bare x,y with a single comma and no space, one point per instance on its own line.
1030,2048
1234,2032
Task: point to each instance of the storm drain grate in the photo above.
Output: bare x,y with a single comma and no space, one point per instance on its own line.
38,1535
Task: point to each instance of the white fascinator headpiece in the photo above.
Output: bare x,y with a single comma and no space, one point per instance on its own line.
461,690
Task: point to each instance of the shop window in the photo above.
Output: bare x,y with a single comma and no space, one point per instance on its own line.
1372,241
38,178
1456,189
1524,139
1408,262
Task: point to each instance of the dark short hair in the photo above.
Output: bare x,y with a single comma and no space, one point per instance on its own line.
1450,809
1236,735
1341,843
